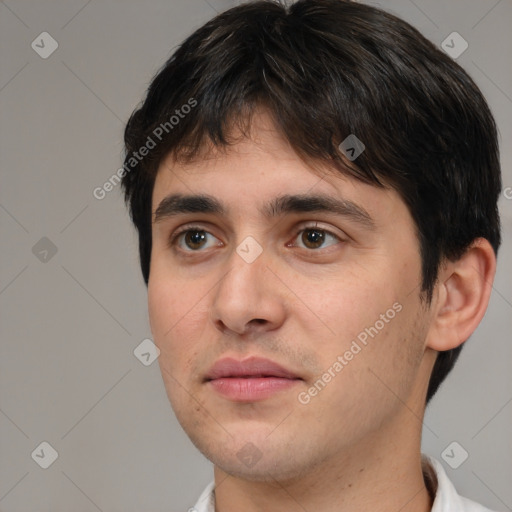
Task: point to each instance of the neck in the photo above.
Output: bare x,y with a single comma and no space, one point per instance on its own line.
382,472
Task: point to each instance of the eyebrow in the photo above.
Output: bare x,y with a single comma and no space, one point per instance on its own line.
178,204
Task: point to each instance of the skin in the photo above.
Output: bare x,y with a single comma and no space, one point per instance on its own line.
356,444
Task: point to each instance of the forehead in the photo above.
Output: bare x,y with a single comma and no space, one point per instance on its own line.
258,168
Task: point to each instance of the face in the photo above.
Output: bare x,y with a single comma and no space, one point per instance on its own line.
286,334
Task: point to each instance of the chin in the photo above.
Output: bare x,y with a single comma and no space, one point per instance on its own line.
255,458
268,469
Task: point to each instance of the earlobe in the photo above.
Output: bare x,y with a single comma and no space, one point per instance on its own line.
464,289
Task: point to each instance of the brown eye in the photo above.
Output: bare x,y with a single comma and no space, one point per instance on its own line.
315,238
191,239
194,239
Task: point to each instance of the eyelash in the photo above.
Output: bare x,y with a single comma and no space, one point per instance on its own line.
174,238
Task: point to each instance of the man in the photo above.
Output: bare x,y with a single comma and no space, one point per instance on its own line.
315,191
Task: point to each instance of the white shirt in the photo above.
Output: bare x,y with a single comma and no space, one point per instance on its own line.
446,497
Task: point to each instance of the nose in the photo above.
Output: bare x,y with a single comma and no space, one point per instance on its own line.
249,298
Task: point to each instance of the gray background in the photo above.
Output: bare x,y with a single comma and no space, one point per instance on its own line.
70,323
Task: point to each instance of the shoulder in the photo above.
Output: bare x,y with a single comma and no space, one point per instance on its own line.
446,497
473,506
206,501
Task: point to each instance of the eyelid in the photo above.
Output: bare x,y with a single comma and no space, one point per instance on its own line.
316,225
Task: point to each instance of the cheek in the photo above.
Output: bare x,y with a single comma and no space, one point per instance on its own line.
163,309
373,325
393,357
375,380
171,317
172,326
346,308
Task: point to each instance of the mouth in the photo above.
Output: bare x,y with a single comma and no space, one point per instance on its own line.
249,380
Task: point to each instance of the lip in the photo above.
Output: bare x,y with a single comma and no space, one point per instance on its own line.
249,380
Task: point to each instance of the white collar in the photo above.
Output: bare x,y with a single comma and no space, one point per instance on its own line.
446,497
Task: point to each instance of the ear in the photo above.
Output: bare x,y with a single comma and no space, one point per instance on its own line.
461,296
